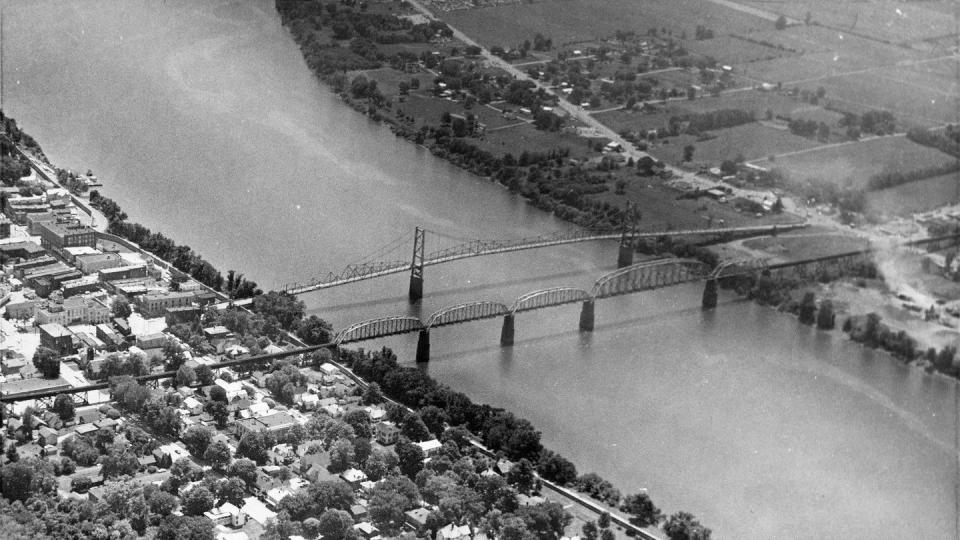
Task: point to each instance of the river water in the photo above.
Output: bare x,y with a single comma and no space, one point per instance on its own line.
203,122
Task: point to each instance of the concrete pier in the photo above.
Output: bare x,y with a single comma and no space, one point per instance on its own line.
423,347
586,316
506,333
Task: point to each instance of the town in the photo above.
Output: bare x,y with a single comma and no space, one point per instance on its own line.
148,393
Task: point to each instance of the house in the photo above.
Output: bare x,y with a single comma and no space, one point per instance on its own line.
227,514
309,401
430,447
359,512
257,511
454,532
233,389
167,454
417,518
366,529
386,433
85,429
57,338
353,477
47,436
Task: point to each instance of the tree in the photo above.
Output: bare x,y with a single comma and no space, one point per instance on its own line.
434,418
604,520
683,526
688,151
808,308
522,477
197,438
642,510
197,501
335,524
781,23
205,375
342,456
314,331
245,470
162,503
254,446
231,490
64,407
219,411
590,530
47,362
556,468
360,421
186,376
409,457
121,308
118,461
17,481
285,307
387,506
372,394
380,462
414,428
217,455
185,528
826,319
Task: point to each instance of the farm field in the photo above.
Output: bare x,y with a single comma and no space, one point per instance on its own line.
914,197
525,137
854,164
574,21
806,245
658,205
753,141
895,22
733,50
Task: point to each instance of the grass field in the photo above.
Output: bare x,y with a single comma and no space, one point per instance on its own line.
892,21
574,21
806,245
659,206
754,141
733,51
854,164
915,197
516,140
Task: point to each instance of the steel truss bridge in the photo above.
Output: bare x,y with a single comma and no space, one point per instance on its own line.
370,269
644,276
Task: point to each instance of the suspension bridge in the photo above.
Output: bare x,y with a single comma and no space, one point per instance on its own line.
380,263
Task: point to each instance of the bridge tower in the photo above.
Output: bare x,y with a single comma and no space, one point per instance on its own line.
627,237
416,267
423,346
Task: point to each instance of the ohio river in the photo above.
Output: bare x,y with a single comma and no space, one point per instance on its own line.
203,122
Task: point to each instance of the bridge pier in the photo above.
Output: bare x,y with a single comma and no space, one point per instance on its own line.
625,256
586,316
423,347
506,333
710,294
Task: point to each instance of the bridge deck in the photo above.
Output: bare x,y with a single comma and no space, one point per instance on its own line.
493,247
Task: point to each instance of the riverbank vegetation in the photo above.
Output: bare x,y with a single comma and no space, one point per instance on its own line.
181,257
